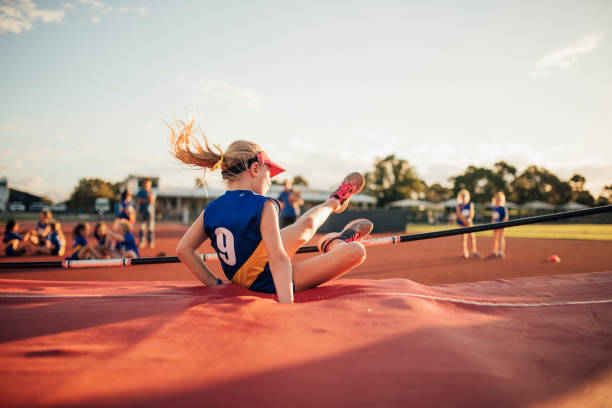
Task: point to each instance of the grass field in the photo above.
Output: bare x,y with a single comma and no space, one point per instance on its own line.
598,232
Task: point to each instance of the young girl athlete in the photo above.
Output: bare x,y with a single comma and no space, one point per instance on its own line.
500,214
465,218
243,224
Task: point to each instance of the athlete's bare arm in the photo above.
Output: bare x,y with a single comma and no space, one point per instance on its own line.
187,252
280,264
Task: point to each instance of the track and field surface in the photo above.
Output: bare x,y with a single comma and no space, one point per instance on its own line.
415,325
594,232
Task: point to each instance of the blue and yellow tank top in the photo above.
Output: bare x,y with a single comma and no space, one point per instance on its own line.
465,210
128,244
499,213
232,222
79,243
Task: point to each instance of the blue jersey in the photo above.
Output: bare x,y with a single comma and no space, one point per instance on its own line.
56,243
288,210
466,211
499,213
41,226
232,222
8,240
129,243
101,240
79,243
124,209
147,196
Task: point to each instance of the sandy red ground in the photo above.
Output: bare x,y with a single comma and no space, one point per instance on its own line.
363,340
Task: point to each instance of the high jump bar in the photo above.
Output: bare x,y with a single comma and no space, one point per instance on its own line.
91,263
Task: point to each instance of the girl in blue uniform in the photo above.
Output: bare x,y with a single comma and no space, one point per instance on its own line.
243,224
465,218
103,240
126,207
500,213
14,243
125,244
56,242
40,235
80,247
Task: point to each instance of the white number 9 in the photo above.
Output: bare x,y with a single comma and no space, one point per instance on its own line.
225,245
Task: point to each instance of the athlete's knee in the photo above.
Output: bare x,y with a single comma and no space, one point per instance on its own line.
357,251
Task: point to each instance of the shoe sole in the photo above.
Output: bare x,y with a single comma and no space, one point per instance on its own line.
359,179
365,230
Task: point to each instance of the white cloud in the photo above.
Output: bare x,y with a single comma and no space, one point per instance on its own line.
568,55
15,165
227,92
27,183
142,10
17,16
93,4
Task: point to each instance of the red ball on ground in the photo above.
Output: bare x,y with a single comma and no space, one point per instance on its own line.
554,258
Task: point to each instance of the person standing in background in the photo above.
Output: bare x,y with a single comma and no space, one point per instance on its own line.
499,214
465,218
287,200
146,214
126,207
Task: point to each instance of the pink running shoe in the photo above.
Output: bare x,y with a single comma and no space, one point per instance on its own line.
352,184
355,230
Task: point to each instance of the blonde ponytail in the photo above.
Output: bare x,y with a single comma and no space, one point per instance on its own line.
185,147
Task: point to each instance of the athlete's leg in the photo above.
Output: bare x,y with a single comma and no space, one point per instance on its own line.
466,253
300,232
502,243
341,258
495,242
143,222
474,249
297,234
151,230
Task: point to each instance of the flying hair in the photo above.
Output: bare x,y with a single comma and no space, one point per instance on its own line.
184,145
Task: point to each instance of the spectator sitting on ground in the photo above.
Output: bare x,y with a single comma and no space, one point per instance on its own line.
81,248
125,244
104,241
55,242
14,243
40,235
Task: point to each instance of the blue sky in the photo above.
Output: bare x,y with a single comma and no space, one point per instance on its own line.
323,86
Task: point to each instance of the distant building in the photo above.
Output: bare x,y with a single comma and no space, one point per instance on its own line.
172,202
26,198
135,181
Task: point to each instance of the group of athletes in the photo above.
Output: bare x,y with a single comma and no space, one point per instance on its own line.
115,242
465,218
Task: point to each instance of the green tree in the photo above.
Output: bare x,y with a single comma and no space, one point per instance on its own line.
605,197
540,184
578,193
436,193
392,179
85,193
481,182
300,181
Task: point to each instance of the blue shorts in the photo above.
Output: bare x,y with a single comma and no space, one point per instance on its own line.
265,282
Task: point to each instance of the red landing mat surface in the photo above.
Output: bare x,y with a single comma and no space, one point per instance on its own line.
536,341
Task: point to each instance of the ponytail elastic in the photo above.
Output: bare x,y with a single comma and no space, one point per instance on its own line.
220,161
